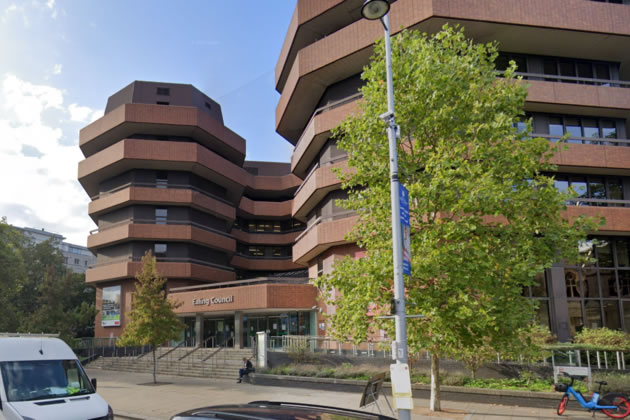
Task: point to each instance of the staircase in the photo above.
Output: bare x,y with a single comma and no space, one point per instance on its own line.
222,363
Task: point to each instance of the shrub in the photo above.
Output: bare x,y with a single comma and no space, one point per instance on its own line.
604,338
617,382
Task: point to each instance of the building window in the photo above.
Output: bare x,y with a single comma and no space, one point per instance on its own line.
277,252
502,62
163,103
85,263
207,105
76,261
161,179
161,216
591,187
577,69
320,268
160,250
162,91
256,251
589,127
66,260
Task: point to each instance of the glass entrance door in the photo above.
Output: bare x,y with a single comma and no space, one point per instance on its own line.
275,327
252,326
218,332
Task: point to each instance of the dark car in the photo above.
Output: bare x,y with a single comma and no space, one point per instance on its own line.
275,410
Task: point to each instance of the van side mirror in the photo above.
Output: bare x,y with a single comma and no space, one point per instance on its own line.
94,383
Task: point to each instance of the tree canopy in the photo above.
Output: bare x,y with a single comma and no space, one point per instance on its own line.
38,293
485,215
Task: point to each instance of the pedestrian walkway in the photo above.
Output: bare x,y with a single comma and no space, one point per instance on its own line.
130,397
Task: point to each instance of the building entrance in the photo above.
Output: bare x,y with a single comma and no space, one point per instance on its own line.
276,326
218,332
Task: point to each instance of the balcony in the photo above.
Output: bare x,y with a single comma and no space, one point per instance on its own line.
171,231
130,154
249,262
270,209
319,182
617,218
186,268
266,238
317,132
160,194
162,120
325,233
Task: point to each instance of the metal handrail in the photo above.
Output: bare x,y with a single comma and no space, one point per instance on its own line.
166,259
180,344
597,200
220,348
133,220
160,186
592,140
560,78
197,347
266,232
264,257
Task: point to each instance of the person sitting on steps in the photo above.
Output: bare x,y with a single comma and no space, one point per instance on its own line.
245,370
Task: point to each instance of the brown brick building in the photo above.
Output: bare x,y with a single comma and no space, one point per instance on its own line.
165,174
574,55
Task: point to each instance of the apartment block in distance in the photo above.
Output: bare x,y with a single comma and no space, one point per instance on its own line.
166,175
574,57
77,258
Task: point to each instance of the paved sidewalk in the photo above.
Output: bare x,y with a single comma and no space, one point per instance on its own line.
130,399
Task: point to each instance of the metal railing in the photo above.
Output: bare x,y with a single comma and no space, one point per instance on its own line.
595,359
606,141
570,79
133,220
160,186
164,259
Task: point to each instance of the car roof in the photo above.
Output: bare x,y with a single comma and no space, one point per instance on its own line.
276,410
13,349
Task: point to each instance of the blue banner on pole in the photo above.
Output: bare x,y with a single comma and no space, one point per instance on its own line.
406,229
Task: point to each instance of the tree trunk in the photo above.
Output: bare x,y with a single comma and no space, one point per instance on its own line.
434,403
154,380
473,373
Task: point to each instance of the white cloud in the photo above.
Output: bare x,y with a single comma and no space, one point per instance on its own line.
41,189
56,69
79,113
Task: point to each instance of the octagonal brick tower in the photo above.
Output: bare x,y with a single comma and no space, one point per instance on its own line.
164,174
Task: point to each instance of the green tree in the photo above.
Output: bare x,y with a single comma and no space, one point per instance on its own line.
151,319
12,275
63,305
44,261
484,216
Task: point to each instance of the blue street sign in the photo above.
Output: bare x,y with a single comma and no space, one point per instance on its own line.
406,229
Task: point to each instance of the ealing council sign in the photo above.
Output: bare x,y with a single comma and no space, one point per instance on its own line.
213,300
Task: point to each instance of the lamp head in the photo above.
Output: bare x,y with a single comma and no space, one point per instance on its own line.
374,9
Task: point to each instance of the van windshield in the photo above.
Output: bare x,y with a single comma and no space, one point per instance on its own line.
43,379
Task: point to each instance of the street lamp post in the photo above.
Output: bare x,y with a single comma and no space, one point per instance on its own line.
372,10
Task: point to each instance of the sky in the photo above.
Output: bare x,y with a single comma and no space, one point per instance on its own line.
61,59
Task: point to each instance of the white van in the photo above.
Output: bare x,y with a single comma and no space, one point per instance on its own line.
41,379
